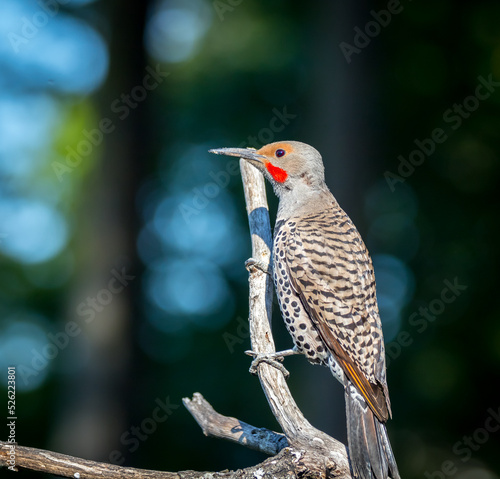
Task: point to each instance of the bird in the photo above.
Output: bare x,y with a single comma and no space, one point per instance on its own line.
325,284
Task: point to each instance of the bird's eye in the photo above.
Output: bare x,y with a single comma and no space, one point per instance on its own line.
279,153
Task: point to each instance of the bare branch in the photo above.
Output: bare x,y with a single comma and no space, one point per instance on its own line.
214,424
283,466
69,466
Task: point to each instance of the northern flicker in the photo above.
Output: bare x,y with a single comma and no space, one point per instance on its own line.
325,285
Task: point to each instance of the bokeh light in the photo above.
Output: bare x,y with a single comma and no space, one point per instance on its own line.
175,28
22,343
34,231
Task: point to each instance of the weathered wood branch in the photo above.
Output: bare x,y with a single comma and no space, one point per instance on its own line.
287,464
214,424
302,452
69,466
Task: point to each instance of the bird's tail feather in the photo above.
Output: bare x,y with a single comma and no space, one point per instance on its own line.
369,449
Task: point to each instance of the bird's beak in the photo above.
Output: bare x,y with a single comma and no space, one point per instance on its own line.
249,154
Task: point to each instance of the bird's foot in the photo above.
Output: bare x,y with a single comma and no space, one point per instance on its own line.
275,363
273,359
251,264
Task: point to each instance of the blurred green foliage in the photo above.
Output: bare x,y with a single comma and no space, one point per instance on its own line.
148,198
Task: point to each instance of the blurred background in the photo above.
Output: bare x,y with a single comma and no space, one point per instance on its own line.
122,241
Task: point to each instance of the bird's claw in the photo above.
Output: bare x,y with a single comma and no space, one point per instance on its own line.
272,362
251,264
273,359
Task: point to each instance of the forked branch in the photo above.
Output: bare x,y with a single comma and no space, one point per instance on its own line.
301,452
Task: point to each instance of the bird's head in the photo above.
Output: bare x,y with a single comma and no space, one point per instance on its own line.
286,164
